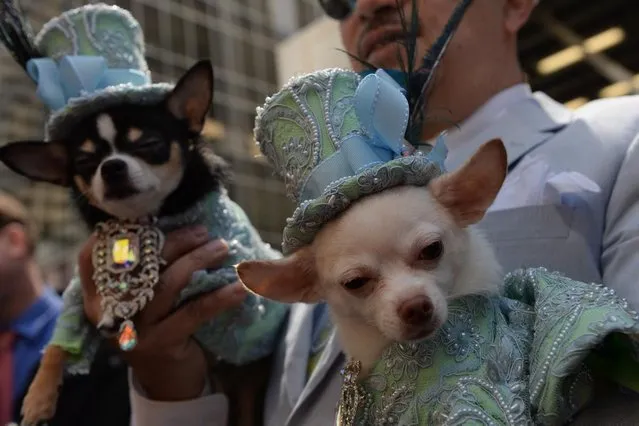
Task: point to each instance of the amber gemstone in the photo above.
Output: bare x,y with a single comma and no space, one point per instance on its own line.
128,337
123,253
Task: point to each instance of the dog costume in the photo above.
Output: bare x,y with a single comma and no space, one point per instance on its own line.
518,358
91,58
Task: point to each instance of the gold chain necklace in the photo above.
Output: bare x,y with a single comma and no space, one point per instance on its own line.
351,395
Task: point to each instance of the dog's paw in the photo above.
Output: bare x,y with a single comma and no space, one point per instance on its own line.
38,408
40,402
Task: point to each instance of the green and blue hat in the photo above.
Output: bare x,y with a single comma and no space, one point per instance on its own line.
86,59
336,137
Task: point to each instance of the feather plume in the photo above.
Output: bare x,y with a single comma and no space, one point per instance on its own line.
422,80
16,34
419,76
361,61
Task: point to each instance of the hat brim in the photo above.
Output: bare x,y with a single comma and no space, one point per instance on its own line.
61,122
311,215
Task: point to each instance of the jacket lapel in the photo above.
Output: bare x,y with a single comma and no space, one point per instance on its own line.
297,343
330,354
523,127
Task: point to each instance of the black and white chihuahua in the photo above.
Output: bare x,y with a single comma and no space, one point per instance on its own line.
132,160
127,162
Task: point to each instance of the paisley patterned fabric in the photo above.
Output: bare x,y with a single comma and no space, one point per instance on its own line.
322,133
304,123
521,359
239,336
97,29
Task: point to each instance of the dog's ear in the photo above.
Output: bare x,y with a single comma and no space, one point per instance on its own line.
290,279
191,98
37,160
468,192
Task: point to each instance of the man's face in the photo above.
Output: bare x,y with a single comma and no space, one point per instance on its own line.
484,40
14,251
372,30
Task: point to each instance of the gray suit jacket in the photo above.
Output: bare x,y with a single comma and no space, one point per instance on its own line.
593,236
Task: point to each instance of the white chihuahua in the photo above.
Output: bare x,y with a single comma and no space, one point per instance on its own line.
389,264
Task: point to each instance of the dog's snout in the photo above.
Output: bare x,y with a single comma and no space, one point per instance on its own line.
416,311
116,177
114,169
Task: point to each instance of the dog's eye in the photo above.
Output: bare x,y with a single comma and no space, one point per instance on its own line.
356,284
84,162
148,143
431,252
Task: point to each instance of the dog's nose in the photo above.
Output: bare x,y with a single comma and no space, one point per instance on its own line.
416,311
114,170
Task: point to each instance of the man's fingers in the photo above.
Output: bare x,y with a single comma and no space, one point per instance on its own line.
186,320
178,275
183,240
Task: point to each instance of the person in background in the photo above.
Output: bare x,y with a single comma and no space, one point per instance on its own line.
570,203
28,307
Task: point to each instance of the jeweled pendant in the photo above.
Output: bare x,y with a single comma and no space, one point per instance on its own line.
127,260
128,337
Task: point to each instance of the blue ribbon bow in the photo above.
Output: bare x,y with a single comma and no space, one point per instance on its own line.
76,76
382,110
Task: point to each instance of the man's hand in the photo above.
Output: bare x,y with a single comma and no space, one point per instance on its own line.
166,361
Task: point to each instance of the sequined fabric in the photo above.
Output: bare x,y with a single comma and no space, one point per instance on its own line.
521,359
239,336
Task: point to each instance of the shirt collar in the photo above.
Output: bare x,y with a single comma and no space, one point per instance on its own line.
487,114
37,316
